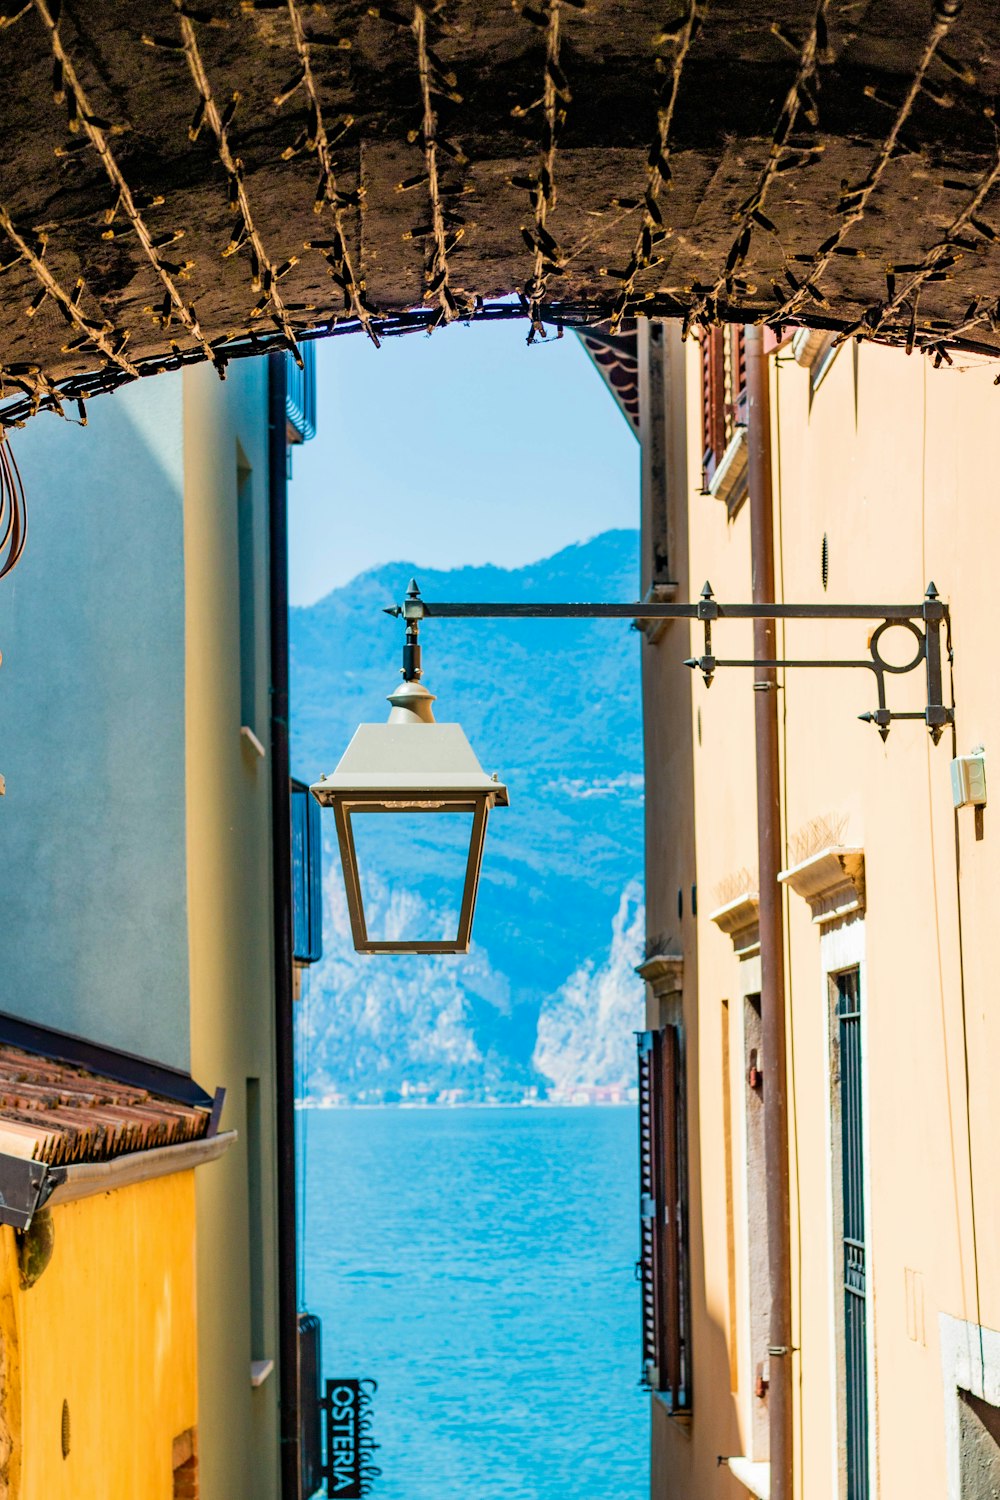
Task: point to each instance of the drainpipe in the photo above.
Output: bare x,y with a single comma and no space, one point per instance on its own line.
281,845
772,999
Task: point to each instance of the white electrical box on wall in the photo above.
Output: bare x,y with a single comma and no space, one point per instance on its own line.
968,779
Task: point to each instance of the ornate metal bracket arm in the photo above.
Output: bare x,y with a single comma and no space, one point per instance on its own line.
924,621
931,612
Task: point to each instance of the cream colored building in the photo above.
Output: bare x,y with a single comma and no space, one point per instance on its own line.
145,803
881,482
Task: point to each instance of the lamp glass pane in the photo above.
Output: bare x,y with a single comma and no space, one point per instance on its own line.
411,870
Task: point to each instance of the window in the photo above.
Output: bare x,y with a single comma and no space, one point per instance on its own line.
713,412
727,1138
723,392
255,1215
724,413
248,594
817,351
852,1231
666,1301
758,1272
307,876
979,1447
970,1363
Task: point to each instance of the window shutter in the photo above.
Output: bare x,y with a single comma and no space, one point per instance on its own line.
649,1175
671,1374
307,875
310,1392
713,398
663,1222
738,355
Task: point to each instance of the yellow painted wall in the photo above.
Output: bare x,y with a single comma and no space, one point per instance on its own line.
109,1328
888,457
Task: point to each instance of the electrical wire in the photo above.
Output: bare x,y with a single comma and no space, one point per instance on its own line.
782,687
13,512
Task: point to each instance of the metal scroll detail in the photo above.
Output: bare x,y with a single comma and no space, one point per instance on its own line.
924,621
349,1469
931,612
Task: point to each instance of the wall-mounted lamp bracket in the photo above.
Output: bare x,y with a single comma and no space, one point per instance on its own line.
924,622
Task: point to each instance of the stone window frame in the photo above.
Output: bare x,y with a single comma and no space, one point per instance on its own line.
970,1361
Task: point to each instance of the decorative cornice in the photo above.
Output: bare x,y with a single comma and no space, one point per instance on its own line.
729,482
808,344
664,972
832,881
755,1477
740,920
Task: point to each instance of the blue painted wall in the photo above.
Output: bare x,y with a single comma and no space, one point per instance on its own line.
93,921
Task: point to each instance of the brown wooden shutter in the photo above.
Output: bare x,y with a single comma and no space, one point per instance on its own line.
738,358
671,1377
650,1142
663,1189
713,398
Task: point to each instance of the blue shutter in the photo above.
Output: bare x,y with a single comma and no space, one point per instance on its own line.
307,876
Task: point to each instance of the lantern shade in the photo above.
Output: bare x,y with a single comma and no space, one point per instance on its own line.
410,766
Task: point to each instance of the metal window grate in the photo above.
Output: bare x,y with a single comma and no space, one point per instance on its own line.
854,1247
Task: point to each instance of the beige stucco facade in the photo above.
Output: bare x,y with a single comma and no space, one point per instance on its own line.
884,459
229,885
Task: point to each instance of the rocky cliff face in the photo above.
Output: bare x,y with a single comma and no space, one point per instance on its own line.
547,998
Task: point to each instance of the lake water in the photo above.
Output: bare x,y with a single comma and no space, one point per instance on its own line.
479,1264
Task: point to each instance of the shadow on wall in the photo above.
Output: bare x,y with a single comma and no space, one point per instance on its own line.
92,738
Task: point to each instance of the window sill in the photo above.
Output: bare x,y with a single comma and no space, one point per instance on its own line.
260,1369
681,1418
816,350
249,738
729,482
756,1477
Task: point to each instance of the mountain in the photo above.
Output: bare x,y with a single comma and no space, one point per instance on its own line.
547,998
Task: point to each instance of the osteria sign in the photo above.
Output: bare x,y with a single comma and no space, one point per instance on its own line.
349,1470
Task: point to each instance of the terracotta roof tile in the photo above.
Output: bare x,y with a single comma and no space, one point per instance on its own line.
57,1113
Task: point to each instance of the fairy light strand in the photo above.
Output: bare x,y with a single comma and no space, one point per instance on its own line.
82,117
101,334
944,254
437,271
731,298
854,201
751,212
658,172
546,255
329,194
264,276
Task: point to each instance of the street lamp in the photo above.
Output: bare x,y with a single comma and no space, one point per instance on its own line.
418,770
413,766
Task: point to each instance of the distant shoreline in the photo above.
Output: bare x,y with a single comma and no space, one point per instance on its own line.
311,1104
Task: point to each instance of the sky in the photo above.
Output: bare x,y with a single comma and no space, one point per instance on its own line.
460,447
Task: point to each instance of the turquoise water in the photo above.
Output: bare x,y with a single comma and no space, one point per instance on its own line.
479,1263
